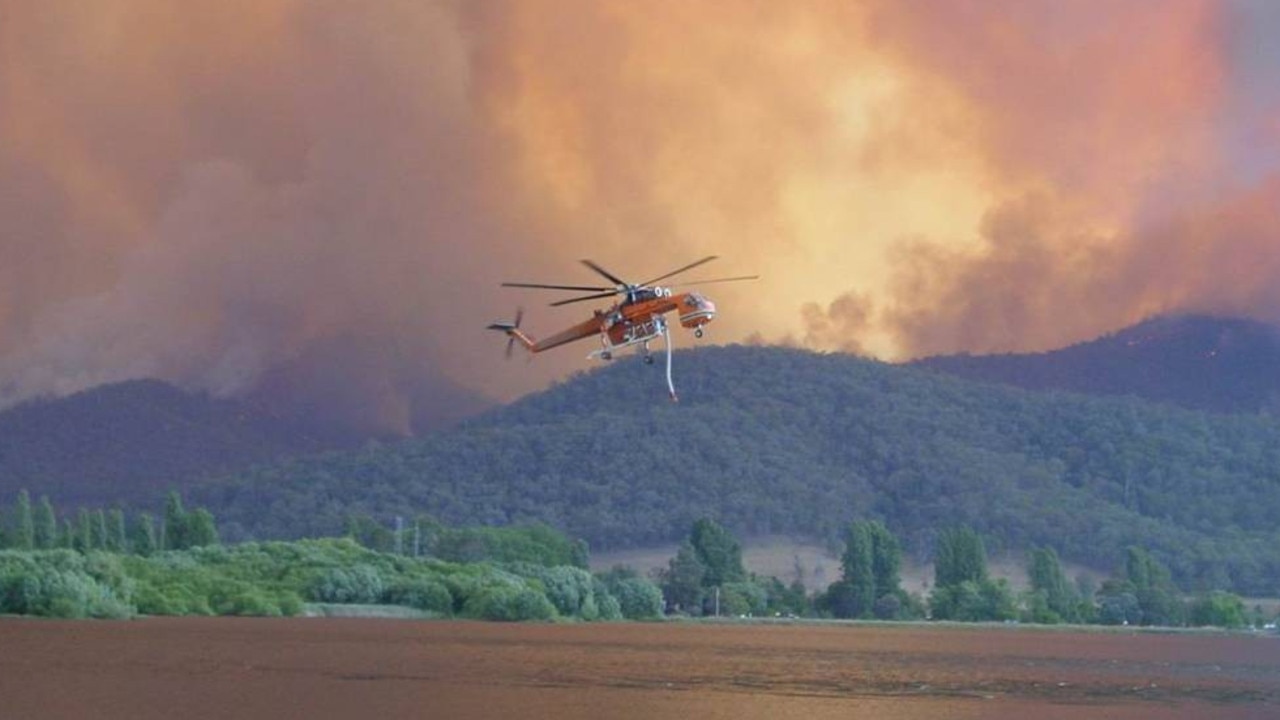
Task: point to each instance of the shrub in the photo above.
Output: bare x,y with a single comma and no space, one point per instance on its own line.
360,584
609,609
69,594
637,598
501,602
423,594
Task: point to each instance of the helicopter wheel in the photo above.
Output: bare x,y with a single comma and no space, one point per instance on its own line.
606,356
697,333
648,359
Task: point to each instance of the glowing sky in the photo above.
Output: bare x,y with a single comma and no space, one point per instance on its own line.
207,192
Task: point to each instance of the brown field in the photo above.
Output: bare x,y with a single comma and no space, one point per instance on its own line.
343,668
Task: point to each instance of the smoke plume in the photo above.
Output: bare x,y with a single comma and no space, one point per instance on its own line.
316,199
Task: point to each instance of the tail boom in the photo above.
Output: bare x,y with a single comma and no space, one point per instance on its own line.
515,333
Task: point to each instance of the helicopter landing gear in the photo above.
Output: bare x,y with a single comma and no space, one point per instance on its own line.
697,332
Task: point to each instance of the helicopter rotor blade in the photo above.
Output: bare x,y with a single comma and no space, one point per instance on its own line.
715,280
690,266
605,273
597,296
541,286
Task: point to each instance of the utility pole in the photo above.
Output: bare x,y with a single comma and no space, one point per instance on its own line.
399,535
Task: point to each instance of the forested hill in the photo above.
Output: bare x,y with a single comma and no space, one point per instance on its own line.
1207,363
132,441
771,440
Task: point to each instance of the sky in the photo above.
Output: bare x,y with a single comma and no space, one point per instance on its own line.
324,195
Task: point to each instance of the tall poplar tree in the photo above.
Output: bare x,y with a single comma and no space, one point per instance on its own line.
84,530
859,571
101,537
117,540
144,535
959,557
1046,576
23,526
46,525
174,530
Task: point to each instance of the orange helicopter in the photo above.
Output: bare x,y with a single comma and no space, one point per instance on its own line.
635,320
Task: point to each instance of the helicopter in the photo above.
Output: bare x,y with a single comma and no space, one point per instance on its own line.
635,320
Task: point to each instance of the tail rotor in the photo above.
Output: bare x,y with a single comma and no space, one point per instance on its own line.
511,338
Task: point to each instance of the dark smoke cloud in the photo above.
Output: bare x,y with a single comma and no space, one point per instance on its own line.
225,205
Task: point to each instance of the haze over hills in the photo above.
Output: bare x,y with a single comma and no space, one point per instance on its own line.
772,440
131,442
1209,363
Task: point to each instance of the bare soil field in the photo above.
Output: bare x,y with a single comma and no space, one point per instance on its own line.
193,668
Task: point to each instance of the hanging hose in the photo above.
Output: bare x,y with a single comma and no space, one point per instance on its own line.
671,387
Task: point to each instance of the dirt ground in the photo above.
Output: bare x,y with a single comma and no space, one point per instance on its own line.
341,668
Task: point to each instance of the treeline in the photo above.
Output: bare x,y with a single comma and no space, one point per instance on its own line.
176,566
707,577
425,536
785,441
281,578
535,573
36,526
1224,365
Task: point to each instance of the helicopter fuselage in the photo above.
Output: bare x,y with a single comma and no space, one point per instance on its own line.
636,319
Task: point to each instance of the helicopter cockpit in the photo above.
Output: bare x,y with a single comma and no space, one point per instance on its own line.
695,311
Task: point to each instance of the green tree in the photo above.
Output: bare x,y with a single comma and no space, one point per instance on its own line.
174,530
962,588
959,557
23,524
683,581
201,530
859,594
117,539
1153,587
971,601
1047,578
638,599
84,531
46,525
376,536
144,535
101,536
719,553
1218,609
886,559
68,537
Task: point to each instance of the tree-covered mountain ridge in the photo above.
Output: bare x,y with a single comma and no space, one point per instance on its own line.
129,442
774,440
1221,364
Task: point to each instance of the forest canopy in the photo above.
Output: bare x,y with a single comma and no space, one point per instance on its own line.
770,440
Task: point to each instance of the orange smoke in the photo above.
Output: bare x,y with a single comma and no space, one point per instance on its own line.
216,194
